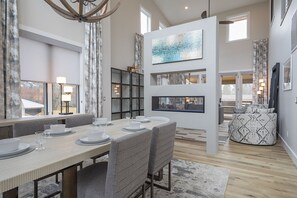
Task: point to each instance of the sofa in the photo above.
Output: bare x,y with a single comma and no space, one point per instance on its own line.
256,125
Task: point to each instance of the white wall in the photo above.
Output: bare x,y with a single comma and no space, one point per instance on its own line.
124,24
238,55
209,62
280,51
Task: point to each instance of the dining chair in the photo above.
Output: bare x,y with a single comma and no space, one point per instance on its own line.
161,153
123,174
29,127
79,120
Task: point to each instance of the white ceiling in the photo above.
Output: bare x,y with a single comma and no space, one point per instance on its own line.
174,10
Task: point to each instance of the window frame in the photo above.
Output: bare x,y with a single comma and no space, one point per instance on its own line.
238,17
149,20
161,26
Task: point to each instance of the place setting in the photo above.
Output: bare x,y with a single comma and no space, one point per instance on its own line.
13,147
133,126
94,137
142,119
101,122
57,130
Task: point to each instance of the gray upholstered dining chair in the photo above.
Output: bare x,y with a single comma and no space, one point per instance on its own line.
161,153
79,120
123,174
29,127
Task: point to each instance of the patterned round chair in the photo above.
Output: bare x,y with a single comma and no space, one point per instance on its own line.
253,128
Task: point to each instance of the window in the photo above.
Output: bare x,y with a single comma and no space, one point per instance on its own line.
33,96
145,19
161,26
73,104
238,30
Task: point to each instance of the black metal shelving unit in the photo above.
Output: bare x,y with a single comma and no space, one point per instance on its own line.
127,91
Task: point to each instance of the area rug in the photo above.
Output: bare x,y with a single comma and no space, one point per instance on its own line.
189,180
200,135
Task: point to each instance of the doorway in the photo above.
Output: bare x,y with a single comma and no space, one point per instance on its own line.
236,91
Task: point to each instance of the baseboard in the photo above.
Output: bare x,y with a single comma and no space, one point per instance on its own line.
290,152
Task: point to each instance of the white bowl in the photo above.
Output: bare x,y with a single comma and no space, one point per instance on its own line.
92,136
140,118
57,127
8,145
134,125
100,121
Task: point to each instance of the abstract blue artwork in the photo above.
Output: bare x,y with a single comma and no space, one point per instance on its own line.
178,47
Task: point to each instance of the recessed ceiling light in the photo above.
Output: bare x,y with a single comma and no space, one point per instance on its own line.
186,7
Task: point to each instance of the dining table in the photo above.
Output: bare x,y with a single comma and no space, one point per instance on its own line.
62,153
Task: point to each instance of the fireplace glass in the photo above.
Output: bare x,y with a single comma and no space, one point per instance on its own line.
193,104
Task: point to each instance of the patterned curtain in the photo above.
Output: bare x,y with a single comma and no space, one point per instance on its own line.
260,69
93,69
138,57
10,99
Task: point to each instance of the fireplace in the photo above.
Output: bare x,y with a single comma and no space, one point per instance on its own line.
191,104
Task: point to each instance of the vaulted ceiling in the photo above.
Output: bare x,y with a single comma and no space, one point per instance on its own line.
175,12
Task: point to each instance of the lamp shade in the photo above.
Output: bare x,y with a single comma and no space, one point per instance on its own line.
66,98
261,88
68,89
263,84
261,80
61,80
259,92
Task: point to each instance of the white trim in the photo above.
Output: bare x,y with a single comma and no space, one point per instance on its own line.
236,71
290,152
45,37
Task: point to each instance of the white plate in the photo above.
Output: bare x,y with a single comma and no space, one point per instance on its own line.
22,147
134,129
86,140
143,120
50,132
107,123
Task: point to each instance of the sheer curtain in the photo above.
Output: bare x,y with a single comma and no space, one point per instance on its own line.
10,99
260,68
93,69
138,57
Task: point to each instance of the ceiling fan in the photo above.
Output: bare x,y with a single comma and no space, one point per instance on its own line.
206,14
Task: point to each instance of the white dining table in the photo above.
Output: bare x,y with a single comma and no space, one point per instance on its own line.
62,153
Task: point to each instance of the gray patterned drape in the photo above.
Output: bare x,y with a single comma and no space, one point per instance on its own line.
93,69
260,68
10,99
138,57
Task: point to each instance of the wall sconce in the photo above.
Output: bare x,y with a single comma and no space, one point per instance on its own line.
61,80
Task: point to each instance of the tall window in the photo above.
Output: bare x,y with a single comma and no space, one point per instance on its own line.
33,98
238,30
145,19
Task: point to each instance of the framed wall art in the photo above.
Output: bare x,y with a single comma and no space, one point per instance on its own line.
287,75
177,47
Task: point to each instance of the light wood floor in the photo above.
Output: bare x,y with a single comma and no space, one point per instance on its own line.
256,171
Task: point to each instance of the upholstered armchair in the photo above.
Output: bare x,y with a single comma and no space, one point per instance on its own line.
257,126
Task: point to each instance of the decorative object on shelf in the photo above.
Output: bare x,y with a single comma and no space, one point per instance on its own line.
134,68
61,80
177,47
287,74
68,9
206,14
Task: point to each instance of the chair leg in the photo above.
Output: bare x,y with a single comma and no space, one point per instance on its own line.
169,176
35,189
57,178
152,186
143,191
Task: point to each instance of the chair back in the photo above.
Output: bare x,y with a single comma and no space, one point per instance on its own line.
127,164
79,120
162,145
29,127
